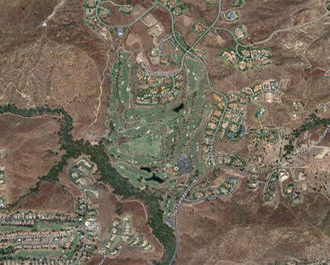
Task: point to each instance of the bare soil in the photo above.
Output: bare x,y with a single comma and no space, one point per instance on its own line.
244,231
32,146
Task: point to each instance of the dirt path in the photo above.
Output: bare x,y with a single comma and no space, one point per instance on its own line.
101,91
291,28
143,206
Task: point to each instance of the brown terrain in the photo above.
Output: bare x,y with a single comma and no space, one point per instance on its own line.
48,56
32,148
60,65
58,196
244,231
51,197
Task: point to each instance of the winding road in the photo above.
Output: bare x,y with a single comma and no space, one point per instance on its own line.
189,52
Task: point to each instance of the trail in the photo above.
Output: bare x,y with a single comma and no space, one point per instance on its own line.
23,95
101,91
55,9
291,28
143,206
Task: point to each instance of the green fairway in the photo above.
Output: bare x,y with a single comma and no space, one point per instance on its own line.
146,145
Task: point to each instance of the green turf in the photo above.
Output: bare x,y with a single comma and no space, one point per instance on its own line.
146,145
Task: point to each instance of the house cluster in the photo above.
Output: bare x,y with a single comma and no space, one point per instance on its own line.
238,3
228,56
2,188
224,189
157,55
269,135
268,86
289,189
213,123
85,210
231,160
240,31
231,15
2,177
211,2
252,183
94,10
126,9
254,58
232,125
30,218
199,27
281,178
226,121
246,58
177,7
270,190
2,199
36,261
273,95
157,89
88,223
29,240
157,52
93,230
81,169
121,233
267,92
88,242
270,90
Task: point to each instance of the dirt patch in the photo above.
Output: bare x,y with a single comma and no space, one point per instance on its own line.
131,40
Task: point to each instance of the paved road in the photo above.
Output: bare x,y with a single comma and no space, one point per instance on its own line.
291,28
325,132
233,35
177,208
82,223
187,52
125,25
103,260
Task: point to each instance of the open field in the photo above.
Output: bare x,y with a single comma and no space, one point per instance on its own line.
51,197
28,141
243,231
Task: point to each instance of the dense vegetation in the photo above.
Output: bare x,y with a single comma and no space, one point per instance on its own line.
122,186
312,122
